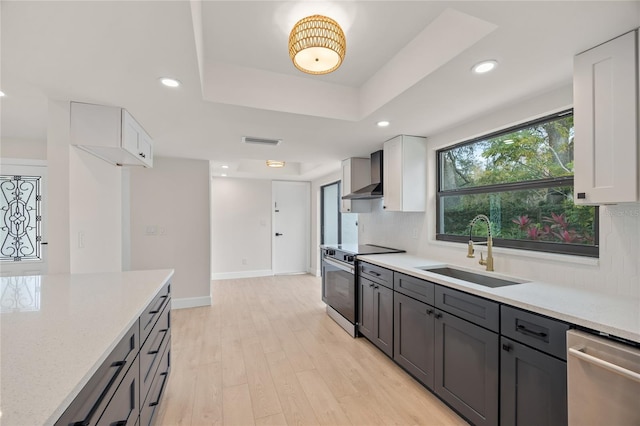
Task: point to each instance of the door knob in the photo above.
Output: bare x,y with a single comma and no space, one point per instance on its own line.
278,234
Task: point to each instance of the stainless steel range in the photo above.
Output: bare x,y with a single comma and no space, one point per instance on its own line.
340,281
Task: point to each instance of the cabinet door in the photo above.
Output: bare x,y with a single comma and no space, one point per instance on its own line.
393,174
124,407
414,338
466,372
145,148
533,387
383,318
130,133
605,123
365,315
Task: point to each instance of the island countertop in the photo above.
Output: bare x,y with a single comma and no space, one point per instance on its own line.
56,330
611,314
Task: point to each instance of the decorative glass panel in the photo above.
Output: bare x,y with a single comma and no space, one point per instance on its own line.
20,229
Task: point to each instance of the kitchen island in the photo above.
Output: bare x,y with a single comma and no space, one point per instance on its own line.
56,332
614,315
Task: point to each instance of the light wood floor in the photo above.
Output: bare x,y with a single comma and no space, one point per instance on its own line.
266,353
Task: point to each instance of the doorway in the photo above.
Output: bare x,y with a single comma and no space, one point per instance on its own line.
23,247
291,220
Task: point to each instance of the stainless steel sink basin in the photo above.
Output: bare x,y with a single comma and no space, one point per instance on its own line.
472,277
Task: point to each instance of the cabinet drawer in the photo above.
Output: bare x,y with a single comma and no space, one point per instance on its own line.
542,333
87,407
414,287
152,312
376,274
124,407
482,312
152,350
148,410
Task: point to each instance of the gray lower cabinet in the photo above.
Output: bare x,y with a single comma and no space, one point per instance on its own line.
413,347
137,368
376,314
533,387
533,369
467,354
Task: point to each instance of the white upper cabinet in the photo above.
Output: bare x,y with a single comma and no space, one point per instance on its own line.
605,97
110,133
356,174
405,174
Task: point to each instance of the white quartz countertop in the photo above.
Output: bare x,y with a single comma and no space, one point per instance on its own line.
56,330
615,315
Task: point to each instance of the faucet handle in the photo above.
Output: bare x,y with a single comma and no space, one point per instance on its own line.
482,261
470,250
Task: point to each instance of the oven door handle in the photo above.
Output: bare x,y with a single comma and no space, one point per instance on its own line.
343,266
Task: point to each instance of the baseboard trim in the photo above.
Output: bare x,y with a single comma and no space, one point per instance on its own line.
241,274
315,272
190,302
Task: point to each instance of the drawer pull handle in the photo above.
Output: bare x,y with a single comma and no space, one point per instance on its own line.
429,312
438,315
374,273
157,308
164,382
375,286
164,334
506,347
371,285
525,330
103,394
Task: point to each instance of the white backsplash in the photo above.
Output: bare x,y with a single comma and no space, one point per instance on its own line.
616,272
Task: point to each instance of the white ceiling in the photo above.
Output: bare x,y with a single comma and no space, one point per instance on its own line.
407,62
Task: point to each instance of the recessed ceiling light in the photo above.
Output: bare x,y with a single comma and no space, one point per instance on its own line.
484,66
224,166
383,123
169,82
1,93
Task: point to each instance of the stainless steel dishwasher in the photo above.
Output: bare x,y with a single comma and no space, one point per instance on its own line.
603,381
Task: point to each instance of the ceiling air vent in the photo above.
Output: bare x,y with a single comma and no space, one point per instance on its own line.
261,141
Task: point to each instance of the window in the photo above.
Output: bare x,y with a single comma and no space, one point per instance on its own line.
522,179
336,227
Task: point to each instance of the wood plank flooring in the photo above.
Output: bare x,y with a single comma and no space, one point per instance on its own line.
265,353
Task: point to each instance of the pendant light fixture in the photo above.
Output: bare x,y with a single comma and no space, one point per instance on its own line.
317,45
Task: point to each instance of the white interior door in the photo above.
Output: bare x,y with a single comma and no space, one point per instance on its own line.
291,223
23,229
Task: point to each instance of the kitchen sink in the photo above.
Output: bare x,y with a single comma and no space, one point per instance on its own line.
472,277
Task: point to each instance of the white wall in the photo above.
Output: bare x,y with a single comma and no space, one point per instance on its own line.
170,226
27,149
617,271
95,214
241,227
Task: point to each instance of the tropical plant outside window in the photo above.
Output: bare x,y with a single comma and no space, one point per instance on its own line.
522,178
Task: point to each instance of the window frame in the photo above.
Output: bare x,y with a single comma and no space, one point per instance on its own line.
541,246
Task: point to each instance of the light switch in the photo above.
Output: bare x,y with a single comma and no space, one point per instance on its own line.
151,230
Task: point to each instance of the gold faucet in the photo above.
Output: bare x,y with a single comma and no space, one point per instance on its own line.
470,251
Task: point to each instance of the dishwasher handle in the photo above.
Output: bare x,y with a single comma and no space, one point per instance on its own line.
578,352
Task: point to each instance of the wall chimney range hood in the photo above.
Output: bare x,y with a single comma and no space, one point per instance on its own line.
373,190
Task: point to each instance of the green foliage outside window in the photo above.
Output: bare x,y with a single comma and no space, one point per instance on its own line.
523,180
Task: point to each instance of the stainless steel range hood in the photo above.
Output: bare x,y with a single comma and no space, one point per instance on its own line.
373,190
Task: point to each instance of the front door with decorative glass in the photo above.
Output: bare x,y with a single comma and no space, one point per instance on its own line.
23,225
